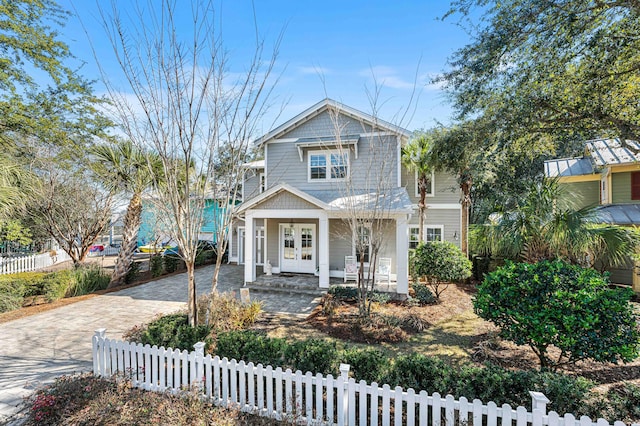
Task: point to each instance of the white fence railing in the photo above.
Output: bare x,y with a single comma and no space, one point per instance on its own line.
304,397
14,265
106,251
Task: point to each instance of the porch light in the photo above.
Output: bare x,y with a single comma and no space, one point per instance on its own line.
455,235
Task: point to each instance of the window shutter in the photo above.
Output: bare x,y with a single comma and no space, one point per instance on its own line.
635,185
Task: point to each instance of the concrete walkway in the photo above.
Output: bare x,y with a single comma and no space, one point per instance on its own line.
35,349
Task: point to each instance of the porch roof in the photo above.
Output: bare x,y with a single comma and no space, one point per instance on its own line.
619,214
392,200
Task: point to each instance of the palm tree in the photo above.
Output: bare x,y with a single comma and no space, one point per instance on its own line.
416,158
546,226
125,168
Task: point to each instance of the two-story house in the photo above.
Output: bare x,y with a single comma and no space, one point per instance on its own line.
322,169
607,177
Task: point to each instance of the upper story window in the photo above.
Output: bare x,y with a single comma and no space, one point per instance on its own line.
328,165
263,183
430,185
635,185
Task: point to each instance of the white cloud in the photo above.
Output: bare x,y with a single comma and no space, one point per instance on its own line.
387,76
315,70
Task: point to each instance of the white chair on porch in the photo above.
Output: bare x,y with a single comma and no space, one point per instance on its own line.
350,268
383,272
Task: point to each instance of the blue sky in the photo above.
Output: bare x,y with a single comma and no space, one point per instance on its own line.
346,41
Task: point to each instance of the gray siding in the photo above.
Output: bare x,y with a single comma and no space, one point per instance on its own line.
340,243
251,184
446,190
326,124
450,219
377,157
582,194
285,201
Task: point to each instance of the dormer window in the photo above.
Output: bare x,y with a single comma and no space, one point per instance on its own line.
328,165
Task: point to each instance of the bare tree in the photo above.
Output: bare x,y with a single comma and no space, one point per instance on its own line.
72,210
370,195
186,104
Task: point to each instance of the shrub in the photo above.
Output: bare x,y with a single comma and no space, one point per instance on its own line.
11,295
223,312
88,279
423,295
251,346
440,262
315,355
556,304
132,273
174,331
366,363
344,293
156,266
170,263
420,373
57,284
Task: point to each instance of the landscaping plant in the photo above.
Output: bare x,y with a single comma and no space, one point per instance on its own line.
557,305
439,263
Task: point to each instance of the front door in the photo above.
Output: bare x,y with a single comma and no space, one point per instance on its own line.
297,248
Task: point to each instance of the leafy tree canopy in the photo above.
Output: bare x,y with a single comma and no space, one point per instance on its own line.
566,68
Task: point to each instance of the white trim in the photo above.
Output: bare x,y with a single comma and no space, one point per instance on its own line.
262,186
327,153
409,228
275,190
314,239
444,206
433,185
241,246
440,227
399,161
320,107
283,140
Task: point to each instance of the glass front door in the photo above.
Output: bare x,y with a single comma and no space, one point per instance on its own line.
297,242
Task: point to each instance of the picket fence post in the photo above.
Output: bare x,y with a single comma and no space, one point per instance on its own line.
199,347
344,374
98,351
539,402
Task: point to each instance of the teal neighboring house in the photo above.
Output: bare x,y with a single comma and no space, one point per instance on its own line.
153,231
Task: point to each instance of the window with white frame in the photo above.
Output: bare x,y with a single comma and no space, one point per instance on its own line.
363,248
430,185
328,165
262,183
431,233
414,232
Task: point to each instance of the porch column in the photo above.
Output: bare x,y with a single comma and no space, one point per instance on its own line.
323,250
402,255
249,240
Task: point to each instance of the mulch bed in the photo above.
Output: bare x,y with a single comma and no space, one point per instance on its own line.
345,324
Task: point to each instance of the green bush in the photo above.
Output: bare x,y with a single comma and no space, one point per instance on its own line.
366,363
344,293
423,295
88,279
439,263
156,266
171,263
420,373
174,331
557,304
251,346
57,284
203,257
132,273
621,402
315,355
11,294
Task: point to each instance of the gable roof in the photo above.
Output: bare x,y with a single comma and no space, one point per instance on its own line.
395,200
322,106
607,152
564,167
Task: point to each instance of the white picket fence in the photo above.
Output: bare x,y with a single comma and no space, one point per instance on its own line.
307,398
14,265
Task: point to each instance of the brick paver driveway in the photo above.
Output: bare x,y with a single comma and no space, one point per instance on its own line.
37,348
